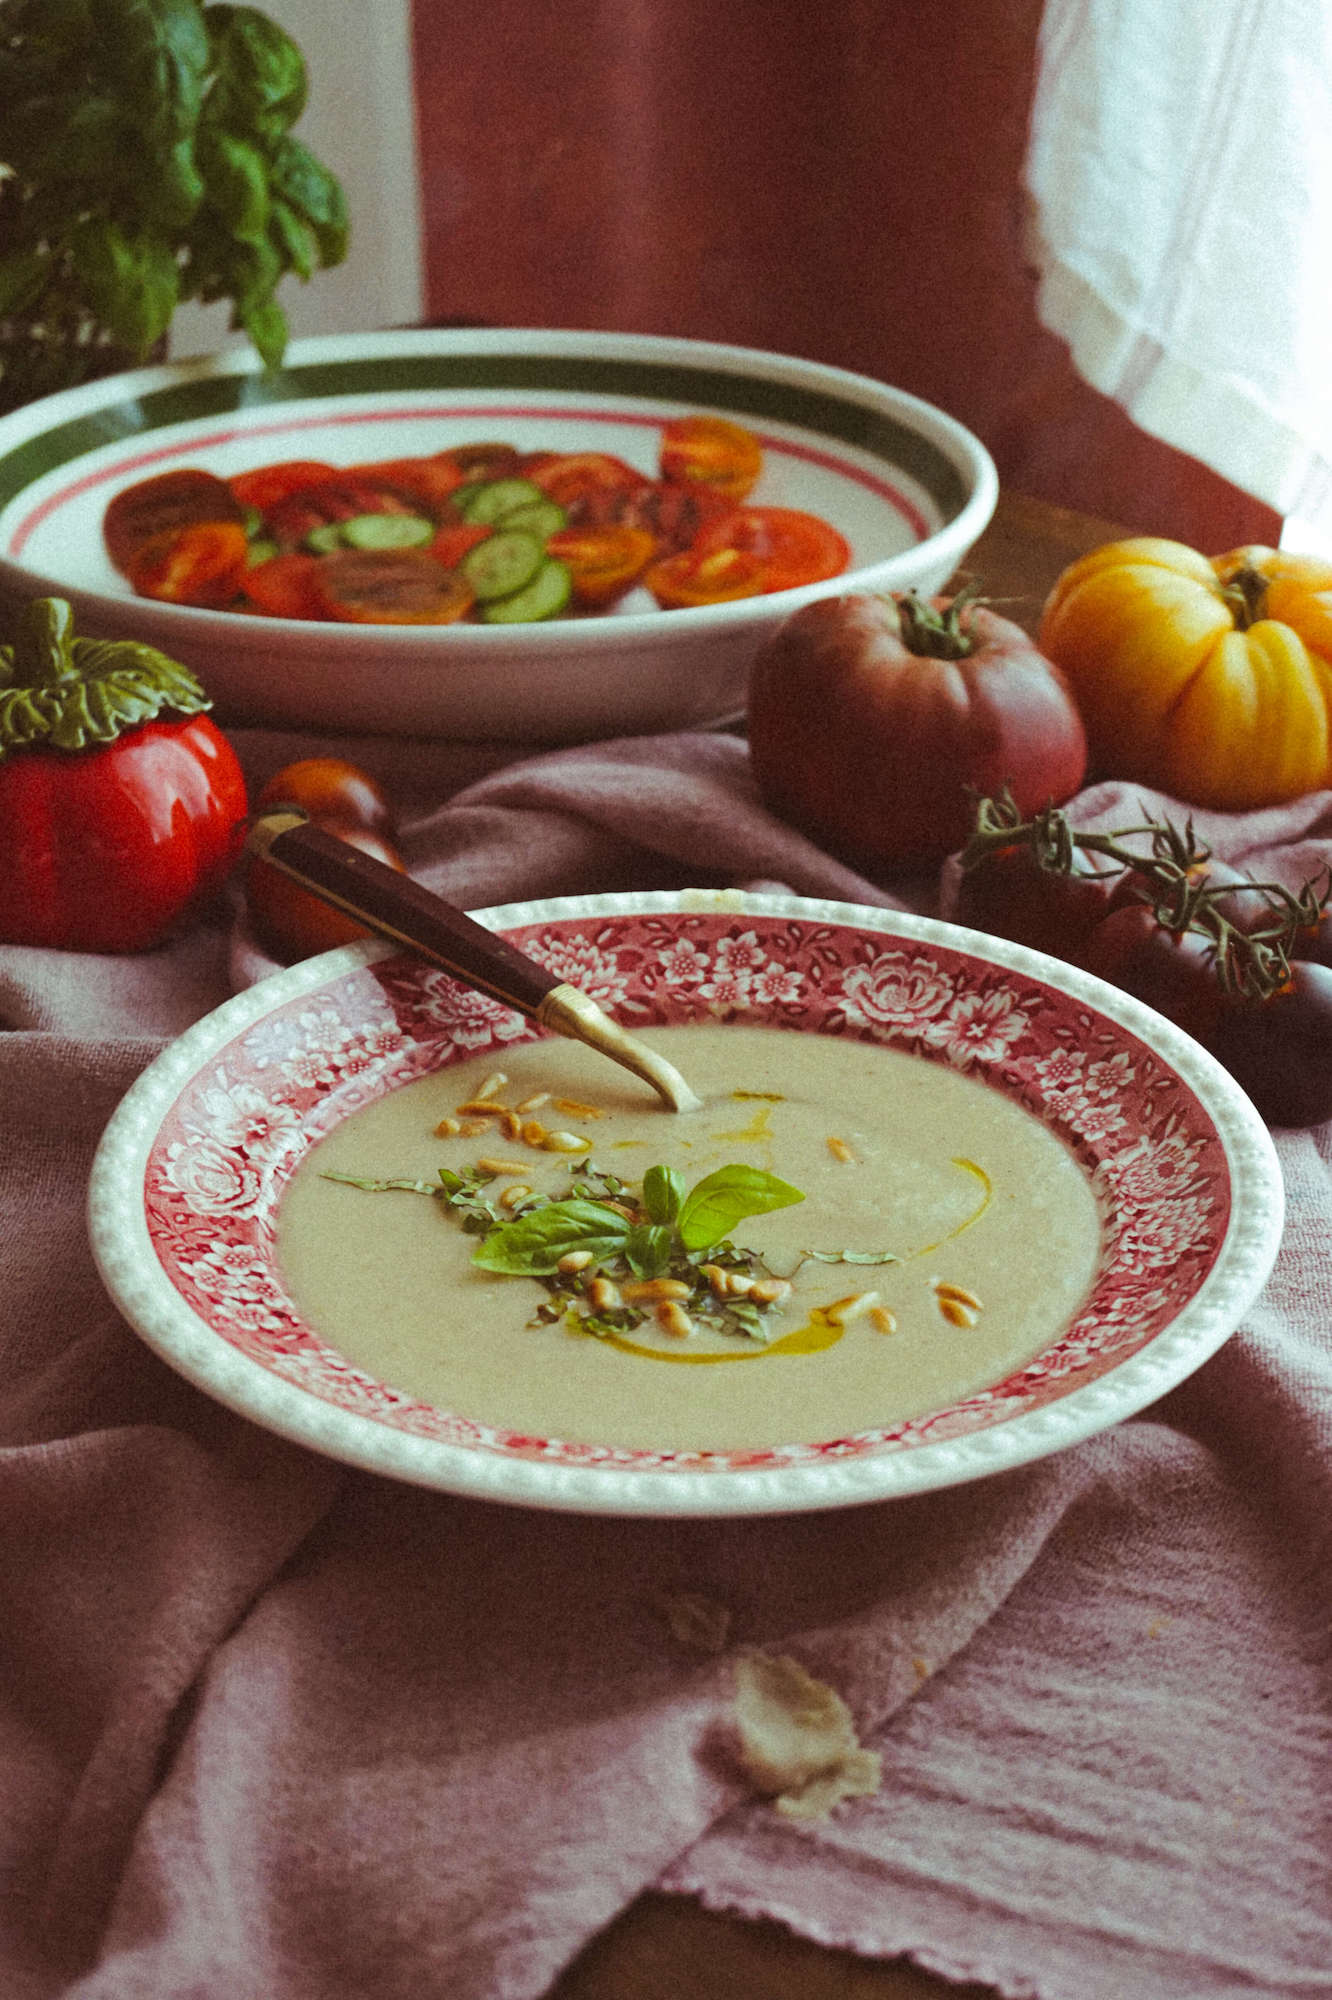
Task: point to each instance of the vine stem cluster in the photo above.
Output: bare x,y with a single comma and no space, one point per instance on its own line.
1169,872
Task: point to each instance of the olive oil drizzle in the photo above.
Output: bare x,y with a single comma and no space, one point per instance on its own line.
819,1332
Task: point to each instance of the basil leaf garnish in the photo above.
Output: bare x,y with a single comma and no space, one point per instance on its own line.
710,1210
663,1192
533,1244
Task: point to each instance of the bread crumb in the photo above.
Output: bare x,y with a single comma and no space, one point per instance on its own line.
699,1622
798,1742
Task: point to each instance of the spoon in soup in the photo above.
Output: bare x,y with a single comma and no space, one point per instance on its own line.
395,907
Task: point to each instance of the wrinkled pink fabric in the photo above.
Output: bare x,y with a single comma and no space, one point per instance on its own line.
275,1730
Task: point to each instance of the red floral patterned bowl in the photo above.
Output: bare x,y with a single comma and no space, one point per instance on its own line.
192,1168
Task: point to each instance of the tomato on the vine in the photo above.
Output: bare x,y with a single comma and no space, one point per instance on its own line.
1010,895
1279,1050
1172,971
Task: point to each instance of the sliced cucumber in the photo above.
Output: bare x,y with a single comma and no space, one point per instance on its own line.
387,531
505,562
544,597
260,550
492,499
540,517
322,541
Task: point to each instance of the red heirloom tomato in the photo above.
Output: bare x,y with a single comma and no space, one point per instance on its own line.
874,722
121,805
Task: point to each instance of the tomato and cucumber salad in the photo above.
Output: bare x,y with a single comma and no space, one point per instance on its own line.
481,532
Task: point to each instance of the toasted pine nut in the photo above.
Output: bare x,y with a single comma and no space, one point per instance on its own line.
840,1150
767,1291
576,1109
448,1128
480,1107
503,1166
574,1260
882,1320
511,1125
959,1293
534,1102
564,1142
856,1304
532,1132
655,1288
516,1192
472,1128
955,1312
673,1319
602,1295
492,1083
724,1283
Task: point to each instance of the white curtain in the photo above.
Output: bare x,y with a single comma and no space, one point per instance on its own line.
1179,176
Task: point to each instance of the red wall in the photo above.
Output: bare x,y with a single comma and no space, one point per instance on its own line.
838,179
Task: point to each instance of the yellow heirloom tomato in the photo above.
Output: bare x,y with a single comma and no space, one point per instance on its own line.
1209,678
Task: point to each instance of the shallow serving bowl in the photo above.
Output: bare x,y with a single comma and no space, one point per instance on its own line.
193,1167
909,487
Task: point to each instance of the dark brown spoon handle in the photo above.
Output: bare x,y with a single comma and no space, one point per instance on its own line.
396,907
393,905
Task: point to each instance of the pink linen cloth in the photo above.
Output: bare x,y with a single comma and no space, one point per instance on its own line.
272,1729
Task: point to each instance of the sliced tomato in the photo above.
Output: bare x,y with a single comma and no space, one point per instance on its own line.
263,486
593,487
693,577
289,521
485,460
427,482
200,565
795,548
455,538
675,514
284,586
162,505
713,452
602,562
391,587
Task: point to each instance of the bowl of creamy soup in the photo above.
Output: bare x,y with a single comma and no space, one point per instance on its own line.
947,1206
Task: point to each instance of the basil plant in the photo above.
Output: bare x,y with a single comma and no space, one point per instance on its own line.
147,157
